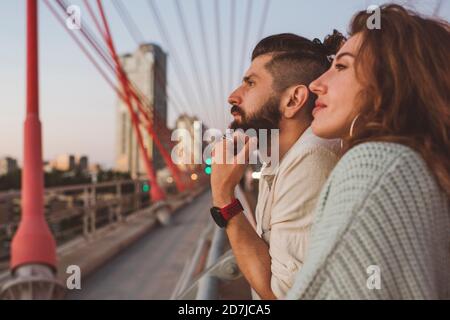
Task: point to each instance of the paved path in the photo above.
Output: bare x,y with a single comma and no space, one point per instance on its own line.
151,267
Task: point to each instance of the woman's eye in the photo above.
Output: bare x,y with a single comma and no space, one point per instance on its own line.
340,67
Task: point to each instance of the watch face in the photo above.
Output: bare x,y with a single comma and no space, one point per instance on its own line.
217,216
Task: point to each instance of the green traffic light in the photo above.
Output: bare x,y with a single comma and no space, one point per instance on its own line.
208,161
145,188
208,170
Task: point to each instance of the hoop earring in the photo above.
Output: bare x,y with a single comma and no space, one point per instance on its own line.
353,125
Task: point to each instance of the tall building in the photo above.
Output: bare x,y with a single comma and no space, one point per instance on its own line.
8,165
146,67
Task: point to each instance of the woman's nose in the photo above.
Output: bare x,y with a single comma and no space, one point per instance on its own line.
318,87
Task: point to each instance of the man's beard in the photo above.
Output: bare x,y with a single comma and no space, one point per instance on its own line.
267,117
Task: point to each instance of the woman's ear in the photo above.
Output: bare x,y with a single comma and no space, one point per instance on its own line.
293,100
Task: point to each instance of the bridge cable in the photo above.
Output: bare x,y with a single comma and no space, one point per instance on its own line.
93,44
135,90
263,21
130,25
221,90
159,194
214,98
187,40
232,36
181,74
248,17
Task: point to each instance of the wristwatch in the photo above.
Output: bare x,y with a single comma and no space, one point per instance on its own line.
222,215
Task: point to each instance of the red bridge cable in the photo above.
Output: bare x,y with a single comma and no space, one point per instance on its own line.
157,193
130,25
134,90
95,44
134,95
142,97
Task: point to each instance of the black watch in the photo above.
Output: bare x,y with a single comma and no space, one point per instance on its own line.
222,215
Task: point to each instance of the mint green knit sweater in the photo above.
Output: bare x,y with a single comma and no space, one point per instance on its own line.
382,207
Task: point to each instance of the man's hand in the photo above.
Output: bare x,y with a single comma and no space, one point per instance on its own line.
228,168
251,252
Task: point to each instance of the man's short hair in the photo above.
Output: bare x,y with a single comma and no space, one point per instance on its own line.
297,60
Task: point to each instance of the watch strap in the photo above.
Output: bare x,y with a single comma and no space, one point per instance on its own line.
231,210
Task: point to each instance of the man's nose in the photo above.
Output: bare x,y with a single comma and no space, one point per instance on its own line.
235,98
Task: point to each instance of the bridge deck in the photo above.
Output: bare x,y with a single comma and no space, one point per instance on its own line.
150,268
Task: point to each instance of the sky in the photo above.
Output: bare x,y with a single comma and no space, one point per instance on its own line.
77,107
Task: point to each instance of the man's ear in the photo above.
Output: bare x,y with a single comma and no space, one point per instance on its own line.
293,100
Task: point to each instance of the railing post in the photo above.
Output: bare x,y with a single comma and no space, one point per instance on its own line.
86,214
119,216
70,203
137,191
93,209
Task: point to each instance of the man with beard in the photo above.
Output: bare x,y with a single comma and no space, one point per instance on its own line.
274,95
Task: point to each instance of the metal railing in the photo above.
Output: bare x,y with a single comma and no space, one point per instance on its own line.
75,211
208,284
220,264
138,210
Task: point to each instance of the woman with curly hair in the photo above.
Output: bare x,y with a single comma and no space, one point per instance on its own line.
382,228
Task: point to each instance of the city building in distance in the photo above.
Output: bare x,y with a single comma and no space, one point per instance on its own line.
146,68
68,162
8,165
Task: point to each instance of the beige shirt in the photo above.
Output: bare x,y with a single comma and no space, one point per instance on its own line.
287,197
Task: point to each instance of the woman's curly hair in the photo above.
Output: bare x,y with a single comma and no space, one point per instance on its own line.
405,71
